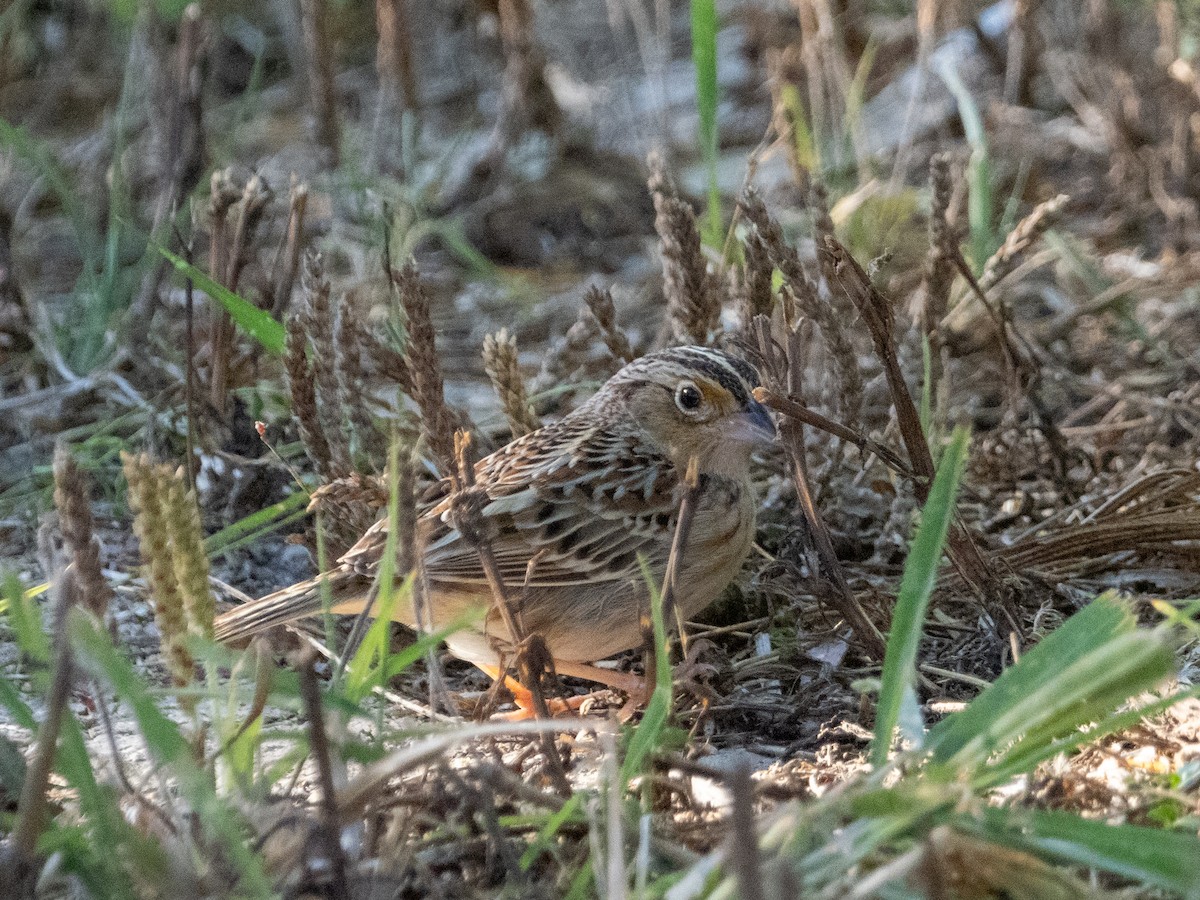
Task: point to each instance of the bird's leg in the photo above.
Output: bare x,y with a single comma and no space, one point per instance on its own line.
636,686
523,697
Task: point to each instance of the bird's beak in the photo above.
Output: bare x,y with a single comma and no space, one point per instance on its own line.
754,425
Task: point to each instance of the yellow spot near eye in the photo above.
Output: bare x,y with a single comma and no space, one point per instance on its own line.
716,396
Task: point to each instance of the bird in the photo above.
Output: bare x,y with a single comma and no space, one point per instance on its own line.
571,511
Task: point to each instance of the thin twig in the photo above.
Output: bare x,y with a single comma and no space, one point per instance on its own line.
683,528
791,407
310,696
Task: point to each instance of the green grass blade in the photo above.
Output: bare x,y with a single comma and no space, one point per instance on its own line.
1025,760
984,239
252,320
654,721
364,670
1166,859
1085,632
920,572
704,59
96,654
256,524
26,620
569,811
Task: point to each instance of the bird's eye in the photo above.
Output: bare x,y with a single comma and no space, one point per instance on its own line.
688,398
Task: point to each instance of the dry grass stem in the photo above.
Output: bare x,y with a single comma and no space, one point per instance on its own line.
71,497
394,56
791,435
683,528
33,805
500,363
322,95
797,410
843,273
526,98
226,262
330,831
692,292
744,857
287,260
177,130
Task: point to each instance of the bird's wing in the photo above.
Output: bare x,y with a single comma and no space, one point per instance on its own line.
555,511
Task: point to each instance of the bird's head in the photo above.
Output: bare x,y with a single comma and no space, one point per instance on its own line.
693,401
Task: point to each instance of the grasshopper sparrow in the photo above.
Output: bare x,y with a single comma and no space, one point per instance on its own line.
568,510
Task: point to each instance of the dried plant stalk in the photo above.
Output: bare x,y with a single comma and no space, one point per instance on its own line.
785,376
319,56
843,272
599,304
147,491
692,292
78,527
500,363
226,264
526,98
437,421
394,56
943,246
177,132
287,262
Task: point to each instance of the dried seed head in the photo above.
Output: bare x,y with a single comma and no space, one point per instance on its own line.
801,292
437,421
303,390
75,518
187,553
348,507
755,296
600,306
318,323
943,246
1020,240
350,342
500,363
692,292
147,490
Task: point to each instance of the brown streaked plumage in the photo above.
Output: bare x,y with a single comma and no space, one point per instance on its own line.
569,508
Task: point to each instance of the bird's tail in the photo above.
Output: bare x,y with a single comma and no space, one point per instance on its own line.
290,604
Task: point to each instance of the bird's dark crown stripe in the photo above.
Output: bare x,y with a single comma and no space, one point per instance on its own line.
734,375
731,373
